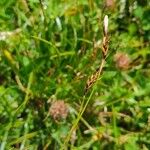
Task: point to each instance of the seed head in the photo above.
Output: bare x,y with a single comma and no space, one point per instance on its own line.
122,60
58,110
110,3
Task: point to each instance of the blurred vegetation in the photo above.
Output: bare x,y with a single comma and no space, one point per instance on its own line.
48,49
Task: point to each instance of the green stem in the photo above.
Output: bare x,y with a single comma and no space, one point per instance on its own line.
26,99
77,120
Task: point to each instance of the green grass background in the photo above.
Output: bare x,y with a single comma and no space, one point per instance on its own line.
48,46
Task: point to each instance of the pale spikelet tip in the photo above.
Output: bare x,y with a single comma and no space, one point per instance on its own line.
105,24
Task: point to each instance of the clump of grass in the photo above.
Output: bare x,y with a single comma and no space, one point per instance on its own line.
45,53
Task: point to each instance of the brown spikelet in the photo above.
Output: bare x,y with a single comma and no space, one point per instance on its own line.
94,77
105,46
91,80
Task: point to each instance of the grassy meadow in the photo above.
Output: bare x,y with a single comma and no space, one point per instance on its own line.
67,82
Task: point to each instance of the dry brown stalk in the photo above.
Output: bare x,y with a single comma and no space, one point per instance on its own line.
94,77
